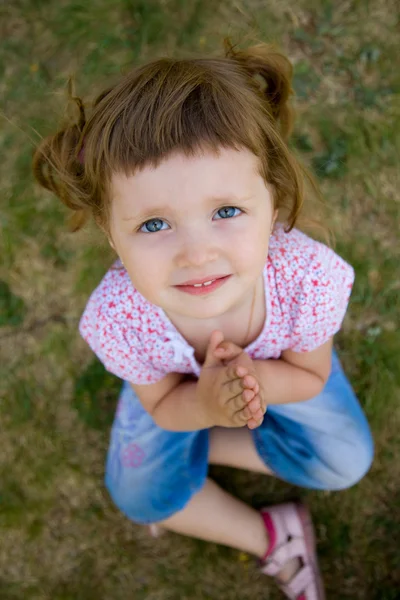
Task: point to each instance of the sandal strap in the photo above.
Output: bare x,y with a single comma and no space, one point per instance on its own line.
275,562
302,582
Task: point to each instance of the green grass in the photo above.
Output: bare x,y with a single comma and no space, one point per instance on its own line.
62,539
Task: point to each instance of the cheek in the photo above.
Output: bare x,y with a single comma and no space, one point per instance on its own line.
251,244
147,267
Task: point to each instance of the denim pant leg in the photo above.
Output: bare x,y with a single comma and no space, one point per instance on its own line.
152,473
322,443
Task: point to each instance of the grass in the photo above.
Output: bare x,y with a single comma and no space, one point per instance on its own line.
61,536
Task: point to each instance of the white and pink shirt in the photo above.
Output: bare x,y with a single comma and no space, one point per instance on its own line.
307,289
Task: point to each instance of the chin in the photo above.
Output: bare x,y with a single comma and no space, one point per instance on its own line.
207,312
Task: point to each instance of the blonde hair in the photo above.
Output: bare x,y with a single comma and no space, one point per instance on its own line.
237,101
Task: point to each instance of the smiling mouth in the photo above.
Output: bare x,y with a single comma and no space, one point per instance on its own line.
202,281
203,287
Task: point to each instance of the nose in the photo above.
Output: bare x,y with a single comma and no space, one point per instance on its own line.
196,249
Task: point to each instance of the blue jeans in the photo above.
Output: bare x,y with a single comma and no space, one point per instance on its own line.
322,443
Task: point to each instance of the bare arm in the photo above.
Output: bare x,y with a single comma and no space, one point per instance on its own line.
295,376
173,403
221,396
181,410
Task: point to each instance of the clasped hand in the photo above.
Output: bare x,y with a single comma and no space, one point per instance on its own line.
228,388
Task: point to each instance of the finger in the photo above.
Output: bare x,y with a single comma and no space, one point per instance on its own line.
230,373
233,388
253,417
227,351
217,337
241,371
253,423
233,372
256,386
258,416
263,405
232,381
255,405
222,353
223,349
263,402
238,403
250,381
248,395
243,415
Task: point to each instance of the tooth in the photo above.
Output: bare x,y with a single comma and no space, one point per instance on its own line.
203,284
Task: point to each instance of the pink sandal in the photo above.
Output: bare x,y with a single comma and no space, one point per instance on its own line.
291,535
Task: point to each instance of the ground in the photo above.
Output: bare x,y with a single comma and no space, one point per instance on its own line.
61,537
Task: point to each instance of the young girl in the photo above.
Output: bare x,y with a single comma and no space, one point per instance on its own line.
219,315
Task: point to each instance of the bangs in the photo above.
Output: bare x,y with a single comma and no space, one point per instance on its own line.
170,106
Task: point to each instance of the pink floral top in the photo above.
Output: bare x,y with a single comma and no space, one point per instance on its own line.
307,289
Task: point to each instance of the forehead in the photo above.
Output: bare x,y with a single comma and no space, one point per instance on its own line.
227,172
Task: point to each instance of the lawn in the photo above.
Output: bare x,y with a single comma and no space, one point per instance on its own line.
61,537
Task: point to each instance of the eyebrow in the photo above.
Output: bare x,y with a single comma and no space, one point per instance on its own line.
159,210
148,213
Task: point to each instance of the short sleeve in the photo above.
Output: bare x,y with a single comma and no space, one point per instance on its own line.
321,299
117,344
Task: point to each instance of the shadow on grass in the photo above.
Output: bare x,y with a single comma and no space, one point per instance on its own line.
95,396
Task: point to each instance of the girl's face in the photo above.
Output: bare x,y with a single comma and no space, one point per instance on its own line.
192,220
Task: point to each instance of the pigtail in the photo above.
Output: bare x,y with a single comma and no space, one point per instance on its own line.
271,73
58,164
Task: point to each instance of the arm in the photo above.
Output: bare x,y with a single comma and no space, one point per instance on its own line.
295,376
173,403
180,409
223,395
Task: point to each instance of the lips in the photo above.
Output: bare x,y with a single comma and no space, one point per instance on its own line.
199,287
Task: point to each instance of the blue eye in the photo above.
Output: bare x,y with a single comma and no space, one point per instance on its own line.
227,212
152,226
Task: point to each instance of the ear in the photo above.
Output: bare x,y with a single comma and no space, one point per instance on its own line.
110,241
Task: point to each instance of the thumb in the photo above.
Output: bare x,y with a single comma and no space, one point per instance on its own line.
210,360
228,351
